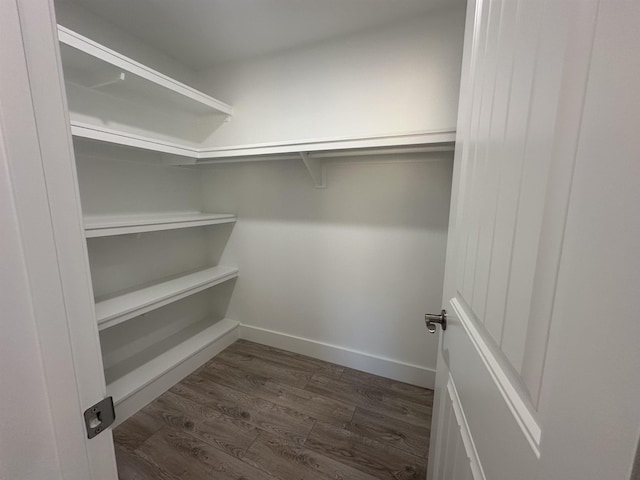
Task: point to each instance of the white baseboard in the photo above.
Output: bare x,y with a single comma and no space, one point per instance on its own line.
385,367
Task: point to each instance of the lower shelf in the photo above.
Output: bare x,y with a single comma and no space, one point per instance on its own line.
135,382
125,306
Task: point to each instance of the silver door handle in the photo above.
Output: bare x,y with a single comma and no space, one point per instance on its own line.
431,320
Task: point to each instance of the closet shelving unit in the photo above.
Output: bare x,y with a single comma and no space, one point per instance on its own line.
95,66
91,68
99,73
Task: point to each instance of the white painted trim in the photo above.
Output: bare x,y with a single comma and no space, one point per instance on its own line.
514,401
164,371
385,367
465,431
100,52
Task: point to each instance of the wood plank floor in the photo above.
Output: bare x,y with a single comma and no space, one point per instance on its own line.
259,413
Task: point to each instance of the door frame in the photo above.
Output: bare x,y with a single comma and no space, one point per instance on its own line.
42,173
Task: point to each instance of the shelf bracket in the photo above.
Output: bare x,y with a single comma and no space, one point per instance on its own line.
316,170
118,78
169,160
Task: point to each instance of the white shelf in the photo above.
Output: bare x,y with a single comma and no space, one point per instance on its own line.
105,226
126,139
118,309
93,65
326,148
315,150
316,153
333,147
124,380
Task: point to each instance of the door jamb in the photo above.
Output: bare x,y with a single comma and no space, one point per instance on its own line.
42,172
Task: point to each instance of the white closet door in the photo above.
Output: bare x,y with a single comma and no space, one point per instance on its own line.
538,369
37,145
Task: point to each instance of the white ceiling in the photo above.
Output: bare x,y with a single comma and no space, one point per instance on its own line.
201,33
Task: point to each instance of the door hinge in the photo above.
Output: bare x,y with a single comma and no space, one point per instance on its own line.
99,417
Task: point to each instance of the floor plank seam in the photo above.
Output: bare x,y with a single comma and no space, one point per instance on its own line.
250,445
308,380
304,442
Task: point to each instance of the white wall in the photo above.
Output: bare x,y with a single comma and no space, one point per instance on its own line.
111,186
398,79
355,266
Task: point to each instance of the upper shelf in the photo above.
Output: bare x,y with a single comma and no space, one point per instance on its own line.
313,153
412,142
126,139
91,65
108,225
119,102
325,148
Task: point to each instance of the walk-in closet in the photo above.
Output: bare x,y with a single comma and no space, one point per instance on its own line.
293,193
320,240
284,181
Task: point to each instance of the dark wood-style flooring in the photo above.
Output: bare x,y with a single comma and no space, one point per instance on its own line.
259,413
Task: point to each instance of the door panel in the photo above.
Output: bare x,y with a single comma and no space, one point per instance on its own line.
525,66
503,196
591,385
507,152
459,458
